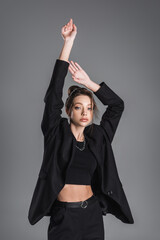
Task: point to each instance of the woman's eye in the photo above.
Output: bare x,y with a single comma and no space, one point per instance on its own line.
79,107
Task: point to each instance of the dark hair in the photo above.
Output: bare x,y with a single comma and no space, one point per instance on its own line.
74,91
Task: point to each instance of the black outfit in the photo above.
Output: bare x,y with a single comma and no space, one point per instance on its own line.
69,221
78,220
59,152
82,167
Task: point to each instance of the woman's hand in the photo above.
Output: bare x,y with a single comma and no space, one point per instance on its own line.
69,31
78,74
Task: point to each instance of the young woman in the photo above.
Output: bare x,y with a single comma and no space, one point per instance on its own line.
78,181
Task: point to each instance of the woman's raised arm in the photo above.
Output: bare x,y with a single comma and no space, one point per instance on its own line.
111,117
53,97
68,33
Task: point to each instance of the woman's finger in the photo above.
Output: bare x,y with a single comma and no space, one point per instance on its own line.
72,72
74,65
78,66
71,22
64,29
74,28
72,68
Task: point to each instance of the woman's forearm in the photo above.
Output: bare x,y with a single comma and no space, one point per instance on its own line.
66,49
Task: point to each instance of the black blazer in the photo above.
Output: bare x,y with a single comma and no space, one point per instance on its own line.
59,150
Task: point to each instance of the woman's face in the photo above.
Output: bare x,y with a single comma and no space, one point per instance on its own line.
82,108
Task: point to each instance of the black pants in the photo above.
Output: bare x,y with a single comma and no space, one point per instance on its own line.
80,223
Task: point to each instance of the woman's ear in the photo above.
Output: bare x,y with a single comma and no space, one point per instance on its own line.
67,111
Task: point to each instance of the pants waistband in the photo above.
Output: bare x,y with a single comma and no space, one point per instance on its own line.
82,204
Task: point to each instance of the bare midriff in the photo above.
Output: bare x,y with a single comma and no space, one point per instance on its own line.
75,193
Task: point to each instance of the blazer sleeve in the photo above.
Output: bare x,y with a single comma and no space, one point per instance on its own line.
113,113
53,98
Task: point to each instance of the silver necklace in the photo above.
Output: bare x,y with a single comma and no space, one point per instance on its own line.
81,149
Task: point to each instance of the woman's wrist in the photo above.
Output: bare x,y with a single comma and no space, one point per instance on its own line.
69,41
93,86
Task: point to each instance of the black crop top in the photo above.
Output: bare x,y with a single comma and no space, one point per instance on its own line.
82,167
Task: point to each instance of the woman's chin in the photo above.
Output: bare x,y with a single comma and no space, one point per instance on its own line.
85,123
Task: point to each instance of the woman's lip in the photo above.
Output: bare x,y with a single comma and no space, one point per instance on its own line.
84,120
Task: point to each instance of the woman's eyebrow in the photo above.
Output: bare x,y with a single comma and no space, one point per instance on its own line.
81,103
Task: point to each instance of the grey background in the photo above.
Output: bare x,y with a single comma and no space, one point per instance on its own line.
117,42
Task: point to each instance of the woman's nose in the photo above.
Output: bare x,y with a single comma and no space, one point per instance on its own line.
84,113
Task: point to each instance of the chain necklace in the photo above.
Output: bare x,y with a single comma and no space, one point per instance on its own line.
84,143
